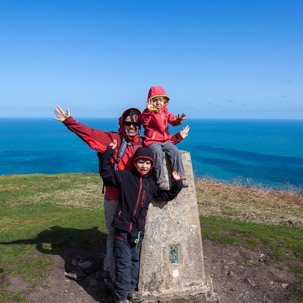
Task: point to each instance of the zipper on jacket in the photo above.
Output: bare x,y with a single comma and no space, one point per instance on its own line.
137,203
138,198
154,135
143,197
119,214
163,120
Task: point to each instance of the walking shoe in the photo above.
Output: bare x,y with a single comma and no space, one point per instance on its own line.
184,183
135,297
163,186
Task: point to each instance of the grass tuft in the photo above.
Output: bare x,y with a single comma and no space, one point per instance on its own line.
237,202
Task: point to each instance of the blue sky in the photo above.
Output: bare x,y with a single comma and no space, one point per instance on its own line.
215,59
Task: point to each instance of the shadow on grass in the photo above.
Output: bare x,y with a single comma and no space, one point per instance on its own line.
82,251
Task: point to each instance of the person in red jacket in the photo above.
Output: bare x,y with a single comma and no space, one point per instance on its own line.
155,119
98,140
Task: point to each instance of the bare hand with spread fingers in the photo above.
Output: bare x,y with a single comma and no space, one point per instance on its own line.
150,104
184,131
180,118
62,116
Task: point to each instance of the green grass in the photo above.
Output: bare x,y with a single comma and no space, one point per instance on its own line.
285,244
42,215
38,220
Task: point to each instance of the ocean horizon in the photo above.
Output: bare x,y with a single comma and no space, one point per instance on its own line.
255,152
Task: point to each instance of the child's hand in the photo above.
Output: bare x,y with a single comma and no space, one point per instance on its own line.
149,104
176,176
61,114
180,118
113,145
184,131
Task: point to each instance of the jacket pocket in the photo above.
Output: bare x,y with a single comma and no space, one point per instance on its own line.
121,220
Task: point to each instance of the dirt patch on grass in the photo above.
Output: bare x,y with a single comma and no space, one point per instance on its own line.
243,275
16,284
239,275
89,288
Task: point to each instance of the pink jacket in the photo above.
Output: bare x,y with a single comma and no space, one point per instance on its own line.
156,122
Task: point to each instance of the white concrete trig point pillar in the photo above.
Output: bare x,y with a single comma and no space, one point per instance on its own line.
172,264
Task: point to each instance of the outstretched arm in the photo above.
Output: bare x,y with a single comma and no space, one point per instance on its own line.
95,138
167,195
176,120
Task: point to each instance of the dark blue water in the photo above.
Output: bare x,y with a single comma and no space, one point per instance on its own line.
269,152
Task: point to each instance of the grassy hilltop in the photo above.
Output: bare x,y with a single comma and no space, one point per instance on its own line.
43,215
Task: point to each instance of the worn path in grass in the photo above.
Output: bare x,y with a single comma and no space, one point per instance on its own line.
51,224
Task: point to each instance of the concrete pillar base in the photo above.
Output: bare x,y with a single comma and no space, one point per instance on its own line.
172,263
199,298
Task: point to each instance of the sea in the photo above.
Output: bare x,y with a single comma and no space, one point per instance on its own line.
263,153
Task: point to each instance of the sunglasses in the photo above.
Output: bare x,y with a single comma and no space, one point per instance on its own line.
135,124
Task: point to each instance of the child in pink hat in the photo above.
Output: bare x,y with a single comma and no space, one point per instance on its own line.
155,119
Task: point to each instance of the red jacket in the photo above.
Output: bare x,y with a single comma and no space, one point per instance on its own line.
156,122
99,140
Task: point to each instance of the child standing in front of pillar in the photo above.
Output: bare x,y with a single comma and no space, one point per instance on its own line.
155,119
137,189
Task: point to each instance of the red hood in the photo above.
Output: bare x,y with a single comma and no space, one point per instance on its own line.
157,91
122,131
145,153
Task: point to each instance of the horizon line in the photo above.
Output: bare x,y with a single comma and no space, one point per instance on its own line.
208,118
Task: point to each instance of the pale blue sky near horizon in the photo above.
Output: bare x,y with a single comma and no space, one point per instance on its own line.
215,59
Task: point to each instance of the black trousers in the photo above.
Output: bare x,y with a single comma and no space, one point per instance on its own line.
127,257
